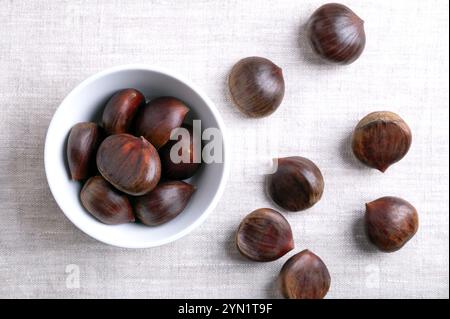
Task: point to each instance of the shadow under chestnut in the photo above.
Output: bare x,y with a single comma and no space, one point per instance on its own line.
307,53
360,236
346,152
232,250
272,289
229,103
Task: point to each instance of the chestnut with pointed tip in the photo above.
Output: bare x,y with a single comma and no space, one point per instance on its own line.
156,120
296,185
105,203
304,276
257,86
264,235
84,139
163,203
129,163
120,110
182,170
381,139
336,33
390,223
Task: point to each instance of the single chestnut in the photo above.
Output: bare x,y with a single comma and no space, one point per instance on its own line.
84,139
264,235
156,120
120,110
163,203
257,86
336,33
178,170
390,223
296,185
381,139
131,164
106,203
304,276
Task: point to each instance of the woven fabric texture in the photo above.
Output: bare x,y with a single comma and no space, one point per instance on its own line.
48,47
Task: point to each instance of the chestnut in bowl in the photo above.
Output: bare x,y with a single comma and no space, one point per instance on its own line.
164,203
304,276
129,163
82,144
106,203
156,120
183,169
120,110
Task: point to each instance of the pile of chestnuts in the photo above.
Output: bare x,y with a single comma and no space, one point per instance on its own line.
125,160
379,140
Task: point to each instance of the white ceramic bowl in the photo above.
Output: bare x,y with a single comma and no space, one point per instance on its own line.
85,103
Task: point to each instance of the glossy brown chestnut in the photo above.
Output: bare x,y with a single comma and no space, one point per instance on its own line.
257,86
390,223
264,235
84,139
106,203
304,276
336,33
156,120
131,164
181,170
296,185
120,110
163,203
381,139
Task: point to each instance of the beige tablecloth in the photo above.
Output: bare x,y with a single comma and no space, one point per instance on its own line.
48,47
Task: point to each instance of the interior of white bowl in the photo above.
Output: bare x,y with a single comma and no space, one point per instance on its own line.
85,103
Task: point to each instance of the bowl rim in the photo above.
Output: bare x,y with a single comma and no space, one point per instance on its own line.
225,171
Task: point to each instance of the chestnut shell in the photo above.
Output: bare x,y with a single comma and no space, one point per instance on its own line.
304,276
390,223
129,163
163,203
120,110
179,171
106,203
84,139
264,235
381,139
257,86
336,33
296,185
156,120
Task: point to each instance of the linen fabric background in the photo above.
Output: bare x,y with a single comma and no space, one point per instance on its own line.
48,47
